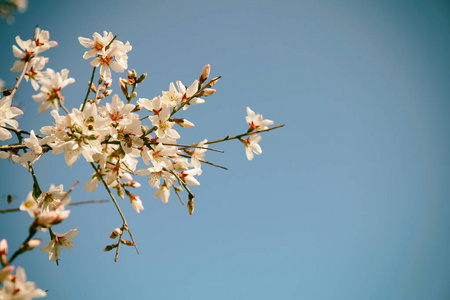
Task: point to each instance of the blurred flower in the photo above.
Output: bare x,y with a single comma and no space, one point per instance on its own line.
60,240
17,288
6,114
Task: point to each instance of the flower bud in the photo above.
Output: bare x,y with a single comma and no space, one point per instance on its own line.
207,92
190,206
134,95
100,80
123,87
137,107
110,247
115,233
133,184
130,74
128,243
33,243
30,245
3,251
205,73
120,192
184,123
107,83
49,219
213,81
141,78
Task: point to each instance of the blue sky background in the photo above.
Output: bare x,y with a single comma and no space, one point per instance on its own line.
349,201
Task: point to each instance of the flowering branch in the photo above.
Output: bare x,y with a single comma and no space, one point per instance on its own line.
111,137
125,224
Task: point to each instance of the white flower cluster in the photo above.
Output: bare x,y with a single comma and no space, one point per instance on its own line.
114,137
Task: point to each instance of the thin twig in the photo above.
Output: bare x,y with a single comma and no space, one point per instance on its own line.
181,181
244,134
118,246
176,192
206,162
125,224
62,106
197,94
193,146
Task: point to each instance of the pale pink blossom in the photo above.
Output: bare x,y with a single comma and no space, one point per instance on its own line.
18,288
256,121
251,145
59,241
30,205
7,113
51,85
163,192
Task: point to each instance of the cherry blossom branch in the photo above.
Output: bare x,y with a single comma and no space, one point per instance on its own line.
125,224
8,210
197,94
244,134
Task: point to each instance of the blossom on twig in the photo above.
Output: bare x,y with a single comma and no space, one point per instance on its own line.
59,241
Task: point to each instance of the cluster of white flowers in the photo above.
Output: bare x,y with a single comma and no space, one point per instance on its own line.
108,52
120,139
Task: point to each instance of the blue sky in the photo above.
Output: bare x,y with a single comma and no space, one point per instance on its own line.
349,201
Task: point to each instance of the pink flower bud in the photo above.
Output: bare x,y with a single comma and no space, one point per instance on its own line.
115,233
107,83
3,250
128,243
130,74
33,243
207,92
123,87
186,123
205,73
49,219
133,184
